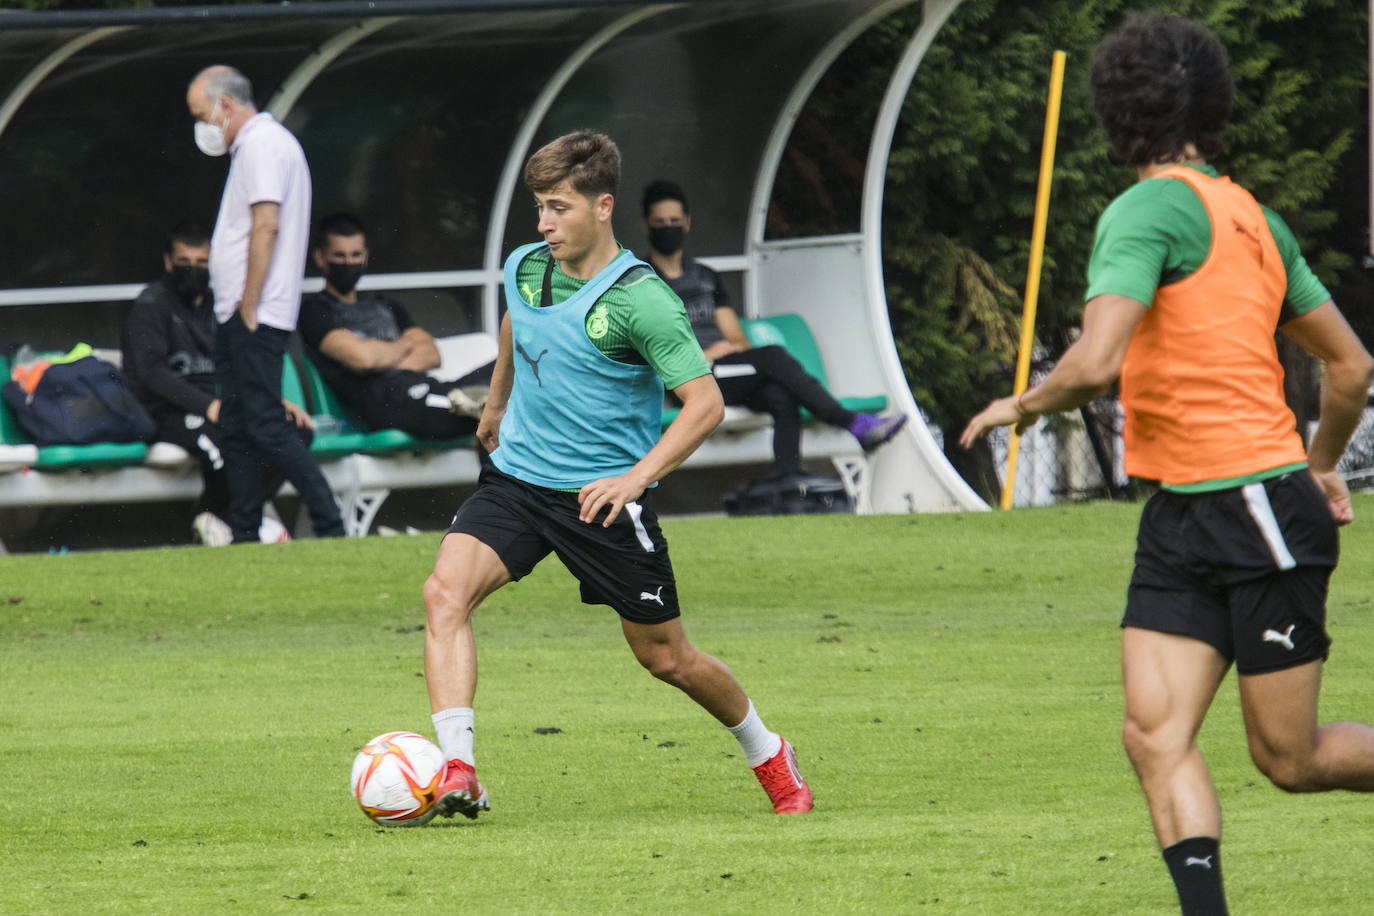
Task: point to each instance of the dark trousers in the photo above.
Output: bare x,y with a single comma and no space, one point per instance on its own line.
205,443
396,400
779,386
259,440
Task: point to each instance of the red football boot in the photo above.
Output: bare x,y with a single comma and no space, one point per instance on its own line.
459,792
783,782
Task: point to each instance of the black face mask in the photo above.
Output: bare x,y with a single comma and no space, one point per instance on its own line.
344,277
190,282
667,239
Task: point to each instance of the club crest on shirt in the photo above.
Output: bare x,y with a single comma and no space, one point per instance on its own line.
598,323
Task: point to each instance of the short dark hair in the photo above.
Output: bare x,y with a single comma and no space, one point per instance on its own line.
189,233
1159,83
589,161
341,225
663,189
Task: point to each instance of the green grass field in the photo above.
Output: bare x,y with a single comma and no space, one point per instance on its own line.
179,724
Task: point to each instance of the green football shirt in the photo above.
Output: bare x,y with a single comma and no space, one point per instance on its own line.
639,320
1157,232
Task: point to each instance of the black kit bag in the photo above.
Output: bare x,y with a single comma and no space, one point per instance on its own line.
793,495
80,403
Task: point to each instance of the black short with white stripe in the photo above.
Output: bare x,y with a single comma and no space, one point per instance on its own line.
625,566
1243,569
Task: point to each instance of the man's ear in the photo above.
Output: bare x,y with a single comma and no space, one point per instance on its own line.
605,205
166,262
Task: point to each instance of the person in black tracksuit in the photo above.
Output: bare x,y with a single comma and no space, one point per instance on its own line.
372,354
168,339
766,379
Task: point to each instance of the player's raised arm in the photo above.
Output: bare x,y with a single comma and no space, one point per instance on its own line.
1085,370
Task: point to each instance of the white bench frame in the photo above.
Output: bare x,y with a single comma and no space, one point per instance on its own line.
361,483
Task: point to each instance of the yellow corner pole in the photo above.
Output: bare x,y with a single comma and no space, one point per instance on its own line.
1037,252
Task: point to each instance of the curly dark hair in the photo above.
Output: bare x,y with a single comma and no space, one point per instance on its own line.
1159,83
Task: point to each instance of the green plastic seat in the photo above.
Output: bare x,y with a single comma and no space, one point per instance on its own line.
327,444
96,455
10,431
792,333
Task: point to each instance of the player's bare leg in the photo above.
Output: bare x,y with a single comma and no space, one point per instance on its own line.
664,650
466,571
1170,682
1289,747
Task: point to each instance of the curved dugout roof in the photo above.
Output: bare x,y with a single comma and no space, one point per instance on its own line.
419,121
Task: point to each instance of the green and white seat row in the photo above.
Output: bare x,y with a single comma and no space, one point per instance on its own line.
364,465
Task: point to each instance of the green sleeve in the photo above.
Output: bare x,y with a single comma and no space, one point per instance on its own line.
1155,233
1305,291
658,329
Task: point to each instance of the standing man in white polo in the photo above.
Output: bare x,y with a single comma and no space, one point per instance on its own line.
257,259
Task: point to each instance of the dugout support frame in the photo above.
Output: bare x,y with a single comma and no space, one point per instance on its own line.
672,82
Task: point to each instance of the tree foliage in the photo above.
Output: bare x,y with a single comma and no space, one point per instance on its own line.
962,177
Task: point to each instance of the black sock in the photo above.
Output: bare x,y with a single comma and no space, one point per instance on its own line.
1195,865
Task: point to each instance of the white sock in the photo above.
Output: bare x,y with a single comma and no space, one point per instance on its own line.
454,728
755,740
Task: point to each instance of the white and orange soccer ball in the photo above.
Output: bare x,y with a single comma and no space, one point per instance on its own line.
395,778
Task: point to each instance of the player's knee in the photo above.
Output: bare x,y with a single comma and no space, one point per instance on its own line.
662,663
1288,772
662,666
1147,744
445,603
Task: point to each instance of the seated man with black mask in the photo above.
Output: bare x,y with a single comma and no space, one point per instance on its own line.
370,352
766,379
168,345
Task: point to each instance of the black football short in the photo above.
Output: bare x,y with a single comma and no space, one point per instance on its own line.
625,566
1245,570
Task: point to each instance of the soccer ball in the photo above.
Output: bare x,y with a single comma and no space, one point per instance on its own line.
395,778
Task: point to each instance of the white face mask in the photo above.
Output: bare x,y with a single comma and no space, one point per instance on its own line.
210,138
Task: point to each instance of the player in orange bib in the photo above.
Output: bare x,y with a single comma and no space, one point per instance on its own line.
1189,279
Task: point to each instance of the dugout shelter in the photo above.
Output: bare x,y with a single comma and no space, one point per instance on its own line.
418,115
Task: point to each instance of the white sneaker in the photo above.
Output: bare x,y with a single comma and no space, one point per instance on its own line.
272,531
211,530
469,401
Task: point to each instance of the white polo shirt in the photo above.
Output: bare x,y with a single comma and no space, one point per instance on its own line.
266,164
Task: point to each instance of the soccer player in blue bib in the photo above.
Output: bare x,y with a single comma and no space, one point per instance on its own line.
590,339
